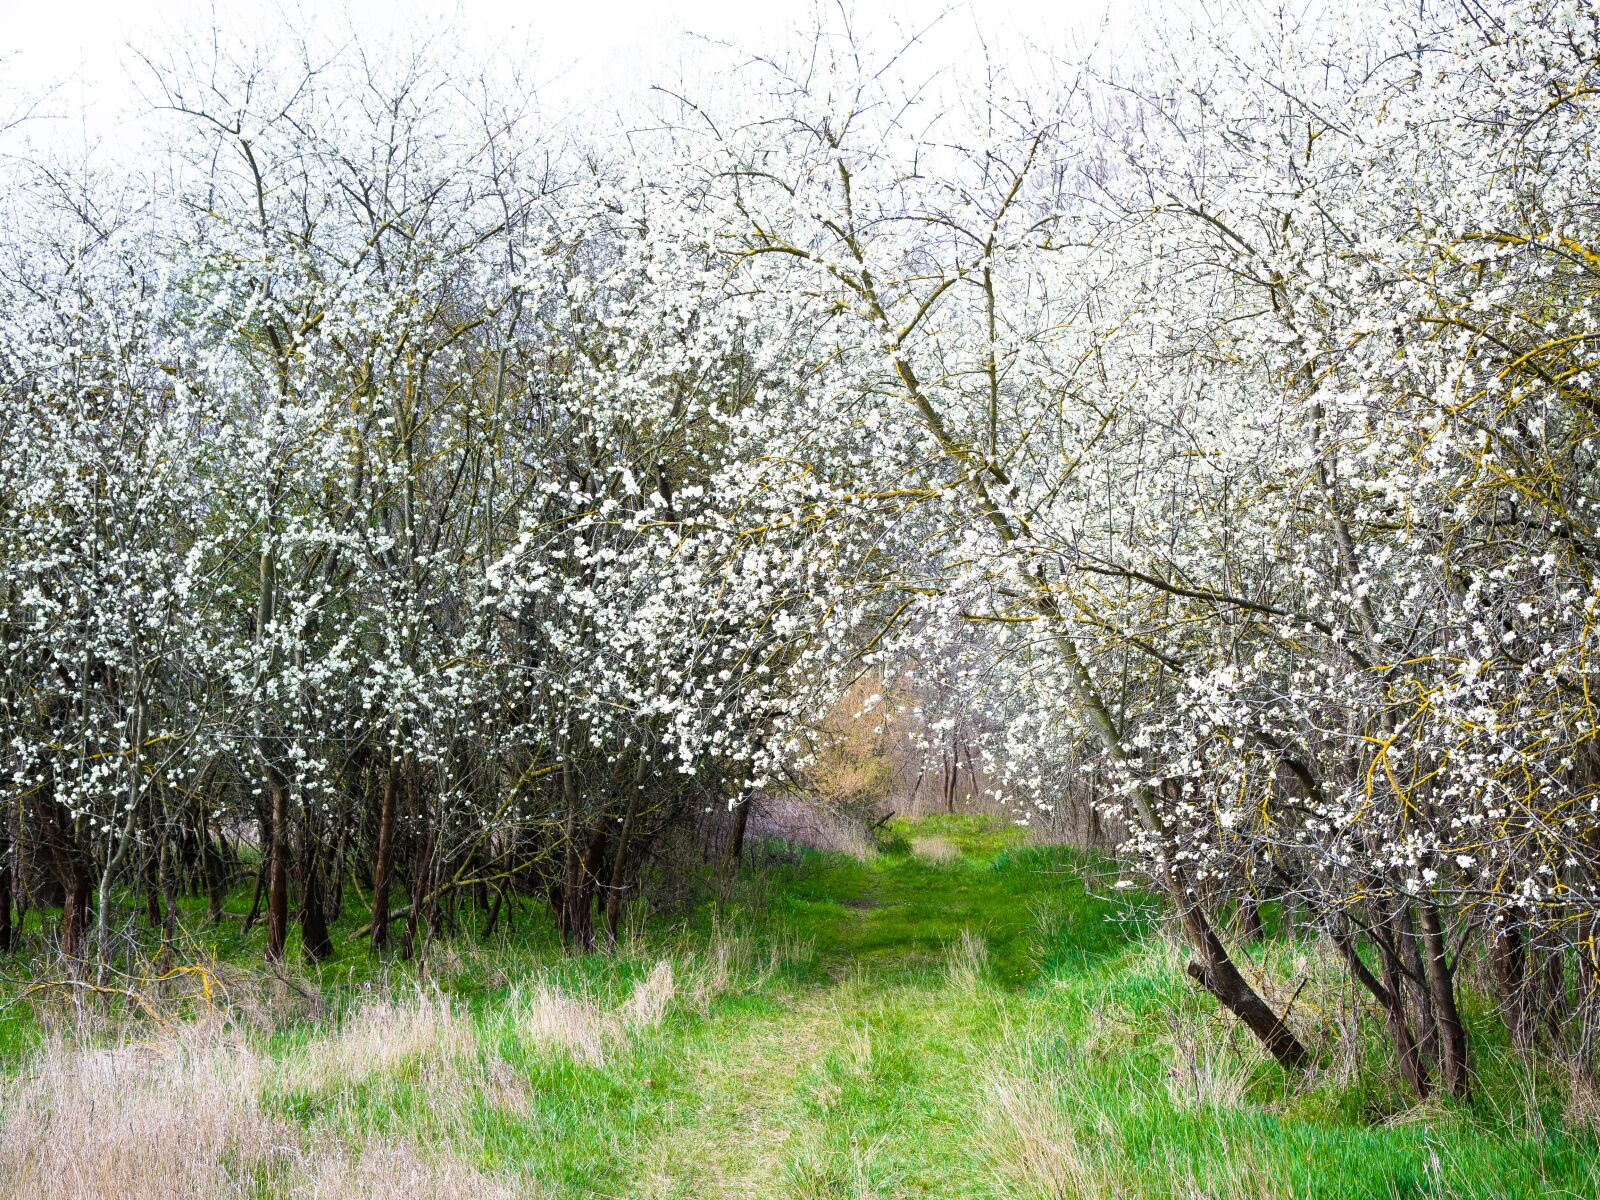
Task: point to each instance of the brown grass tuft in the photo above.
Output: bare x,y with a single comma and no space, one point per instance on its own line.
398,1171
183,1117
967,960
552,1019
379,1037
935,849
153,1122
651,998
1583,1100
1038,1152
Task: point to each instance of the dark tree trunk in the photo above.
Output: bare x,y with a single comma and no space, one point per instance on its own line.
1509,960
617,886
1453,1066
169,892
1216,972
578,891
255,899
75,914
421,883
1415,979
494,912
741,818
1391,1000
8,931
72,876
277,841
315,943
152,897
383,864
334,906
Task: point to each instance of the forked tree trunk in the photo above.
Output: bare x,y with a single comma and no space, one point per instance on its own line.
1214,970
1391,1000
1412,977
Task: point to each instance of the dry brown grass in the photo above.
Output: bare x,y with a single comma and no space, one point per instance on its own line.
137,1123
967,960
182,1118
651,998
563,1020
1583,1101
935,849
1207,1070
1038,1152
554,1019
732,961
425,1029
399,1171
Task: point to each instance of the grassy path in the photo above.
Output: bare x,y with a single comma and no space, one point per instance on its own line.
866,1076
976,1023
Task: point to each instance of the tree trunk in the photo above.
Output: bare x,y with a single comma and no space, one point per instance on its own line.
735,849
1391,1000
1453,1064
277,841
494,912
1509,961
582,902
1414,977
72,876
383,866
255,899
169,892
8,934
1216,972
617,885
421,880
75,915
315,943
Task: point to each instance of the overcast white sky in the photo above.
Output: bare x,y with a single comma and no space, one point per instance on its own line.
581,47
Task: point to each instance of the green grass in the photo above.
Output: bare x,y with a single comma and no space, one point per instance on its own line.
989,1025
